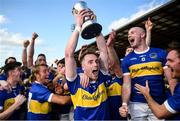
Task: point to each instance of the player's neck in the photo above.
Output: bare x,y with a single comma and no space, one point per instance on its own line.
141,49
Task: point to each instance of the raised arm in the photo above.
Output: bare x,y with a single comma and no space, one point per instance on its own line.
31,49
70,63
114,60
148,26
24,53
101,44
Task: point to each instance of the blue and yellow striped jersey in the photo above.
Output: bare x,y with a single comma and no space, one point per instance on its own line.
7,99
114,97
90,103
39,107
144,66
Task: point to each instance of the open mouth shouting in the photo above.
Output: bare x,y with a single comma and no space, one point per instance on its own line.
95,72
131,40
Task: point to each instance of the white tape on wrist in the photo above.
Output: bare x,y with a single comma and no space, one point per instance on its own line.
125,104
77,28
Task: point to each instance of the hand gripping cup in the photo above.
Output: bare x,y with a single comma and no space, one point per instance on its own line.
90,27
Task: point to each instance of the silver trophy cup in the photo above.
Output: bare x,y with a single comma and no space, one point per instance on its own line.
90,28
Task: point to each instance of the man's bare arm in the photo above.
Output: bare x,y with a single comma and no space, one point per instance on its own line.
148,26
24,53
159,111
101,44
62,100
114,60
126,89
70,63
31,49
19,100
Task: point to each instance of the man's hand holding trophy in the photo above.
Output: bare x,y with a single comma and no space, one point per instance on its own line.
86,20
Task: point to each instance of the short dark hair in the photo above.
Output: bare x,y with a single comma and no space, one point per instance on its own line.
41,54
37,60
86,52
61,62
174,45
11,66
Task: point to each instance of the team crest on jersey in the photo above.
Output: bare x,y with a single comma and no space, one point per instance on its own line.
153,55
143,59
108,82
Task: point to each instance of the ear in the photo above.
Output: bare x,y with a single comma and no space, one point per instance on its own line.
36,75
82,66
143,35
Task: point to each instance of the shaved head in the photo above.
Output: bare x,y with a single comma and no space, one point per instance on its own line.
136,37
139,29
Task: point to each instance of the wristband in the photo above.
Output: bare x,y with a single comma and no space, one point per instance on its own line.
125,104
77,28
